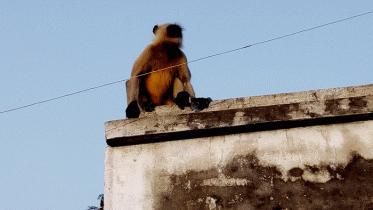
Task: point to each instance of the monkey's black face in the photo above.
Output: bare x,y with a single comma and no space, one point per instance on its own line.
174,31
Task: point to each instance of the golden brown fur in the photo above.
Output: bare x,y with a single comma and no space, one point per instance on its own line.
160,87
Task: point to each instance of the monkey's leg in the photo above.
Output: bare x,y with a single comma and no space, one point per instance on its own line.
197,104
133,88
188,88
181,97
184,96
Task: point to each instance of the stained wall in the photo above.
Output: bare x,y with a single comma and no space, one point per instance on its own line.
306,150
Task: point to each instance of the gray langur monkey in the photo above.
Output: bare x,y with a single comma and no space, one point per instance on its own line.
166,87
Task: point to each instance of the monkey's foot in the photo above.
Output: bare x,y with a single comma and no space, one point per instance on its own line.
199,104
133,110
148,106
182,99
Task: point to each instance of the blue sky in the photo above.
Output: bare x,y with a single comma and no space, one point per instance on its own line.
52,154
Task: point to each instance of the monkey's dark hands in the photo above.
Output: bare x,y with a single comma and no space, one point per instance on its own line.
182,99
133,110
148,106
199,104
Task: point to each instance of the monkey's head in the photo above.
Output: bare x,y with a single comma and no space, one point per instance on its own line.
171,33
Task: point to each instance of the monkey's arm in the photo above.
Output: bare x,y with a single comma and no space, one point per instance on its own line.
133,85
185,76
185,91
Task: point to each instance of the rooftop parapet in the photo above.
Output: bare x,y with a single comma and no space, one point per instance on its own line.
248,114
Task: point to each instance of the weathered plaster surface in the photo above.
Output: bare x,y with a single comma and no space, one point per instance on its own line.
187,173
326,166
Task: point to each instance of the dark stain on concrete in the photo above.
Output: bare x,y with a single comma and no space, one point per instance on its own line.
313,115
296,172
272,113
357,103
332,106
351,187
261,114
313,169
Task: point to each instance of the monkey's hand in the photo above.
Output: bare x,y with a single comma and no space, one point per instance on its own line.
182,99
199,104
148,106
133,110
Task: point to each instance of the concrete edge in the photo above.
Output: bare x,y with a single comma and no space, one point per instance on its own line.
169,127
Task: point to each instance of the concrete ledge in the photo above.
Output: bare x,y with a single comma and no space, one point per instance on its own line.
306,150
248,114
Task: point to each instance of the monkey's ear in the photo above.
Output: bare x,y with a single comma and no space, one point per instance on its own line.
155,28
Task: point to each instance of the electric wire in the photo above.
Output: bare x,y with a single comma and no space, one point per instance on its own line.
163,69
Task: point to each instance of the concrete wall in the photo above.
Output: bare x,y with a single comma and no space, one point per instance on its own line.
306,150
